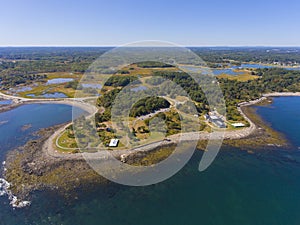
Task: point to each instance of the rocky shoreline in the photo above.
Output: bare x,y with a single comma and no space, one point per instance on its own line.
29,169
5,108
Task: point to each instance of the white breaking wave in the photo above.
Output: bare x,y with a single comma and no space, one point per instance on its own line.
14,201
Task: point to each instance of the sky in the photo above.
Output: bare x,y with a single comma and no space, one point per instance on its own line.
117,22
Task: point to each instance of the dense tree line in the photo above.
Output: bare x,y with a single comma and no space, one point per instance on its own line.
248,54
153,64
148,105
103,117
121,81
11,81
106,100
16,61
186,82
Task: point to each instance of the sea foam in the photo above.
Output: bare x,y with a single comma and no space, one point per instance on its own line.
4,190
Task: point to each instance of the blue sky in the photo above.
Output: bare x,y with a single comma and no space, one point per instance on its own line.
116,22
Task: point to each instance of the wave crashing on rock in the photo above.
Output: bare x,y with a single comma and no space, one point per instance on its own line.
14,201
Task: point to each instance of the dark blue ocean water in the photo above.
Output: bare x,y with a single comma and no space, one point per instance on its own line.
17,126
238,188
284,115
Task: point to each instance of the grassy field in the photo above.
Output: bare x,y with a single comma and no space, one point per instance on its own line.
241,77
135,70
66,142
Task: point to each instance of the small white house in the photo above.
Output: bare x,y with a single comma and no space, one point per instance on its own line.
113,143
238,125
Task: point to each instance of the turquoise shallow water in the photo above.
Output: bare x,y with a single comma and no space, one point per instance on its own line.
238,188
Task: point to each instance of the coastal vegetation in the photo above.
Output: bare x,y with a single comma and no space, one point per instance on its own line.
120,81
148,105
8,81
151,64
162,81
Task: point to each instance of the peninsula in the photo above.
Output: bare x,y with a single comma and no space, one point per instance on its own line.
44,163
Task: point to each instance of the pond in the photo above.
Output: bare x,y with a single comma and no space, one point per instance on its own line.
59,80
293,68
96,86
229,71
216,72
5,102
252,66
232,68
20,89
261,66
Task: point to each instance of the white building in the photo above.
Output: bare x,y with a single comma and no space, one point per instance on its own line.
113,143
238,125
213,117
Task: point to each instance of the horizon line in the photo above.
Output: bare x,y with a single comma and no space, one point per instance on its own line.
114,46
